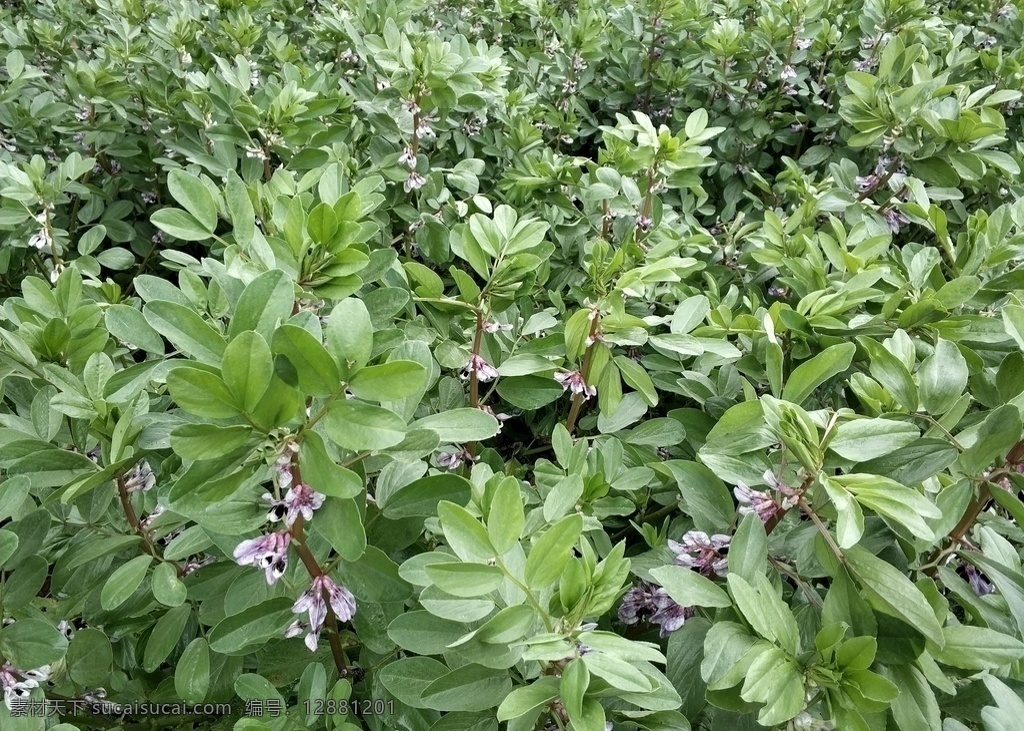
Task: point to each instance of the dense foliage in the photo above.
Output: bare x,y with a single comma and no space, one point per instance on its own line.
439,366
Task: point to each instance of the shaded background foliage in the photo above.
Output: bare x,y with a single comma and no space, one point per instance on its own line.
655,364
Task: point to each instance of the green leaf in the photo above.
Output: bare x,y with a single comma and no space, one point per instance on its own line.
1013,321
775,680
408,677
32,643
90,657
192,195
468,688
420,498
689,589
812,373
892,592
186,330
316,370
507,626
341,524
464,533
247,368
322,474
350,335
265,301
465,579
201,393
252,627
8,545
239,205
891,499
208,441
167,587
618,673
506,517
978,648
942,378
358,426
180,225
166,633
998,433
389,381
460,425
129,325
706,498
915,708
888,370
192,672
552,551
529,392
762,607
423,633
748,551
864,439
525,699
124,581
573,687
634,374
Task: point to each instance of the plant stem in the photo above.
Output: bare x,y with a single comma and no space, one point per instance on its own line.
529,596
825,533
578,398
133,520
310,562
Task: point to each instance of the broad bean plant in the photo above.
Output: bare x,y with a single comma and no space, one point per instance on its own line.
533,366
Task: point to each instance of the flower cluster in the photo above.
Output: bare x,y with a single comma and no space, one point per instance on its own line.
574,381
140,478
765,505
454,460
269,553
703,553
484,370
653,603
299,500
313,601
18,684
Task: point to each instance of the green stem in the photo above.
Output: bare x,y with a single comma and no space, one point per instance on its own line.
530,597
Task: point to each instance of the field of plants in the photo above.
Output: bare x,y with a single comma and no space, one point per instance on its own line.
460,365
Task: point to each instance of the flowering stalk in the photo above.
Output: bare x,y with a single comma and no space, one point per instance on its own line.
974,509
124,495
315,572
579,398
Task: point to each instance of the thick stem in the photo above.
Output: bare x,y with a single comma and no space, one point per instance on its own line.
474,382
314,570
577,399
973,510
133,520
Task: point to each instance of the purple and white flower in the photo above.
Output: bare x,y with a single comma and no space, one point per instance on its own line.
703,553
407,158
574,381
653,603
323,592
493,327
18,684
453,460
484,371
978,582
269,553
895,220
762,503
140,478
788,72
415,181
301,500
